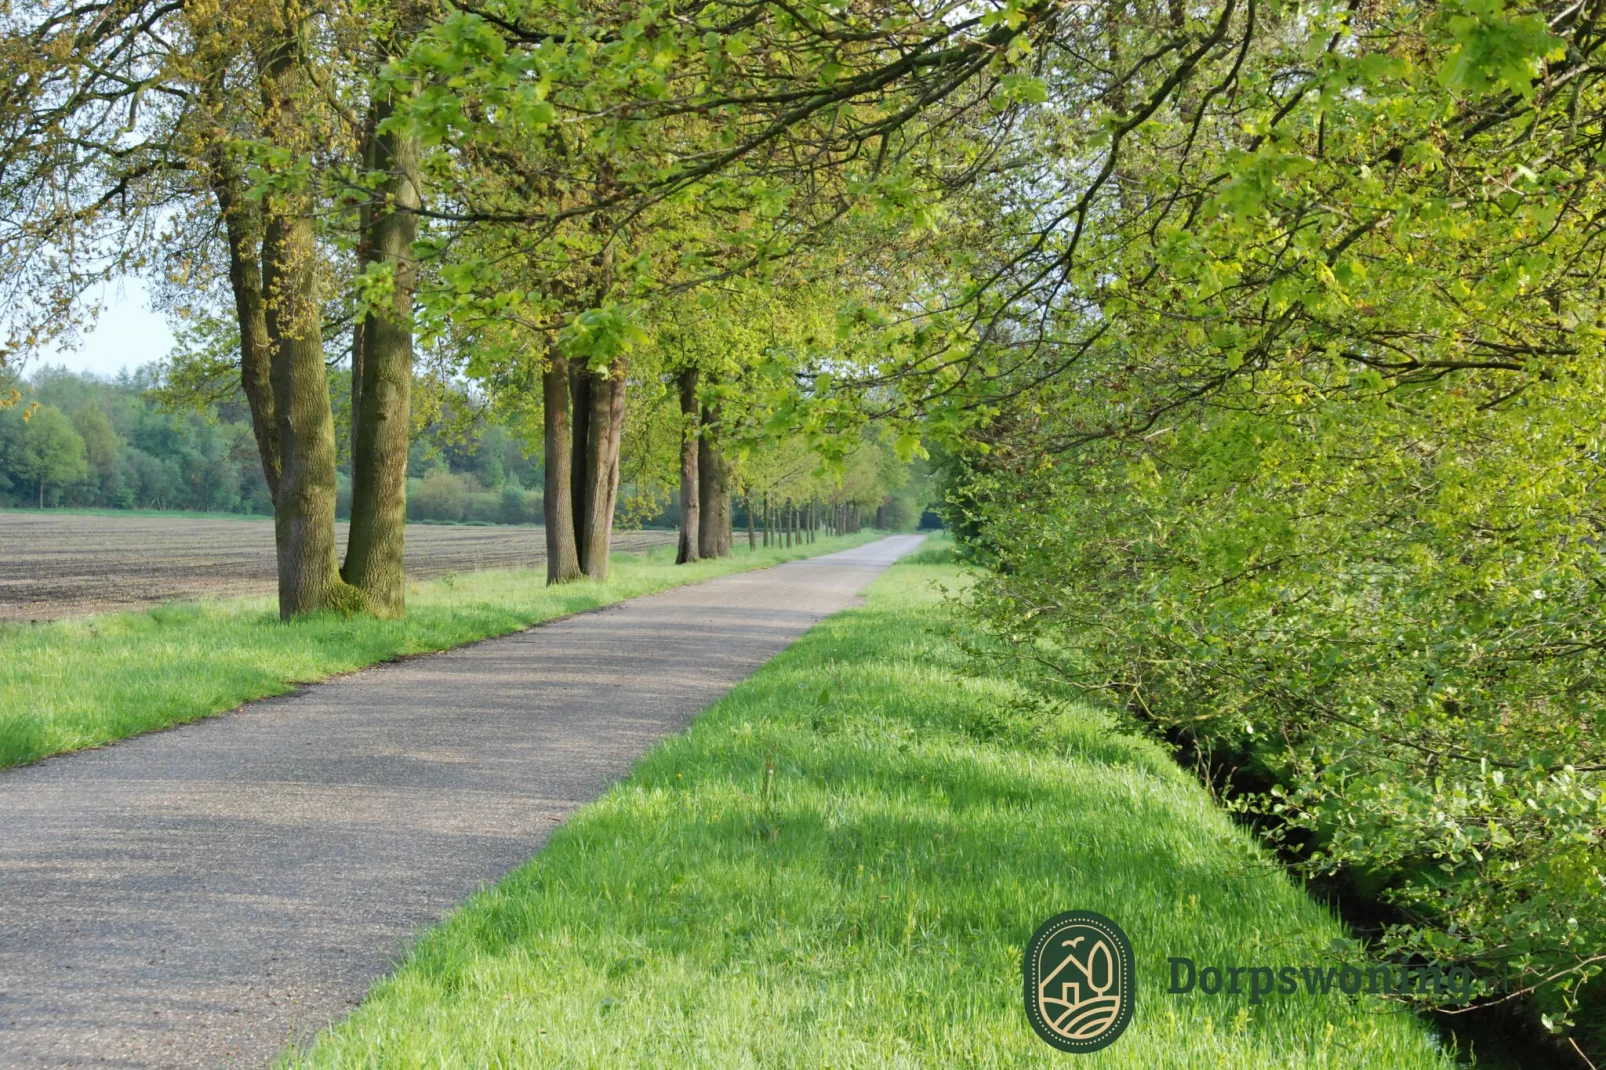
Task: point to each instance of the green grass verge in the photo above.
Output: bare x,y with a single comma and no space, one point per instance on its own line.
867,906
82,681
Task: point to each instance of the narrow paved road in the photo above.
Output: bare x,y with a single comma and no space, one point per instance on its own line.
201,896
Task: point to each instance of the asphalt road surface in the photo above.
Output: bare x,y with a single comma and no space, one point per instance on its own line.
203,896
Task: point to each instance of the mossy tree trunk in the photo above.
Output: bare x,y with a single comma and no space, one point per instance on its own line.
579,432
604,396
562,555
690,500
242,223
304,511
713,478
382,384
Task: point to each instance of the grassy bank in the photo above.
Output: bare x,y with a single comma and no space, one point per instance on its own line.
865,904
83,681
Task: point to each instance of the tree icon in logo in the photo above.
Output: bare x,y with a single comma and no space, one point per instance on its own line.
1079,983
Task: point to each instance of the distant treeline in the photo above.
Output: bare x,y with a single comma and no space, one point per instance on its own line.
130,442
110,443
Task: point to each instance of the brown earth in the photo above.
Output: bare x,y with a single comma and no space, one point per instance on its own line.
58,564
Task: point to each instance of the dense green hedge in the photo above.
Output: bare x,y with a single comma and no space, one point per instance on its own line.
443,495
1390,616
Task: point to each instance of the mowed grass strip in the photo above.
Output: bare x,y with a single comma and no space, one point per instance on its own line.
79,682
866,904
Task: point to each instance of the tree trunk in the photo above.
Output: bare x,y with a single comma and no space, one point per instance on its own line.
242,226
354,404
580,433
714,492
690,502
368,150
382,386
604,429
304,512
752,539
562,555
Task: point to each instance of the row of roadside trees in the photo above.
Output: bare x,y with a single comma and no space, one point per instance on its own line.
272,167
1261,344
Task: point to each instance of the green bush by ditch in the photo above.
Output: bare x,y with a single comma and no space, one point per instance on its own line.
839,864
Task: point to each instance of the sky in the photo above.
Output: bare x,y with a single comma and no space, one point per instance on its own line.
126,335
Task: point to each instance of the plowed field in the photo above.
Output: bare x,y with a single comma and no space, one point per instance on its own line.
57,564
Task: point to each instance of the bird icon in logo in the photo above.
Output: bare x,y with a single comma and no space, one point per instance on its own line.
1078,973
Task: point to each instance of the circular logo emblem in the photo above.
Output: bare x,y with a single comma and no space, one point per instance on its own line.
1079,983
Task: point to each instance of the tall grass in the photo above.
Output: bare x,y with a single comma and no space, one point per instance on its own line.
80,682
838,866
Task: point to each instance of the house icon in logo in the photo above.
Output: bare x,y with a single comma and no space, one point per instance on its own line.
1078,981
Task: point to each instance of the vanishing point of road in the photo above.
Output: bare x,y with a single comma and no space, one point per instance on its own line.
203,896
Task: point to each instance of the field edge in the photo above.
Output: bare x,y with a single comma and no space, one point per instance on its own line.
79,683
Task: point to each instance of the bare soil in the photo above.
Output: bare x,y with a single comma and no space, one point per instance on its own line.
59,564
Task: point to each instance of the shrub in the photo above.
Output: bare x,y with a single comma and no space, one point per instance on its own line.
483,507
899,514
440,495
519,506
1404,644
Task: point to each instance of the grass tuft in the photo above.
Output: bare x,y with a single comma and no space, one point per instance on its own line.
838,866
937,551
